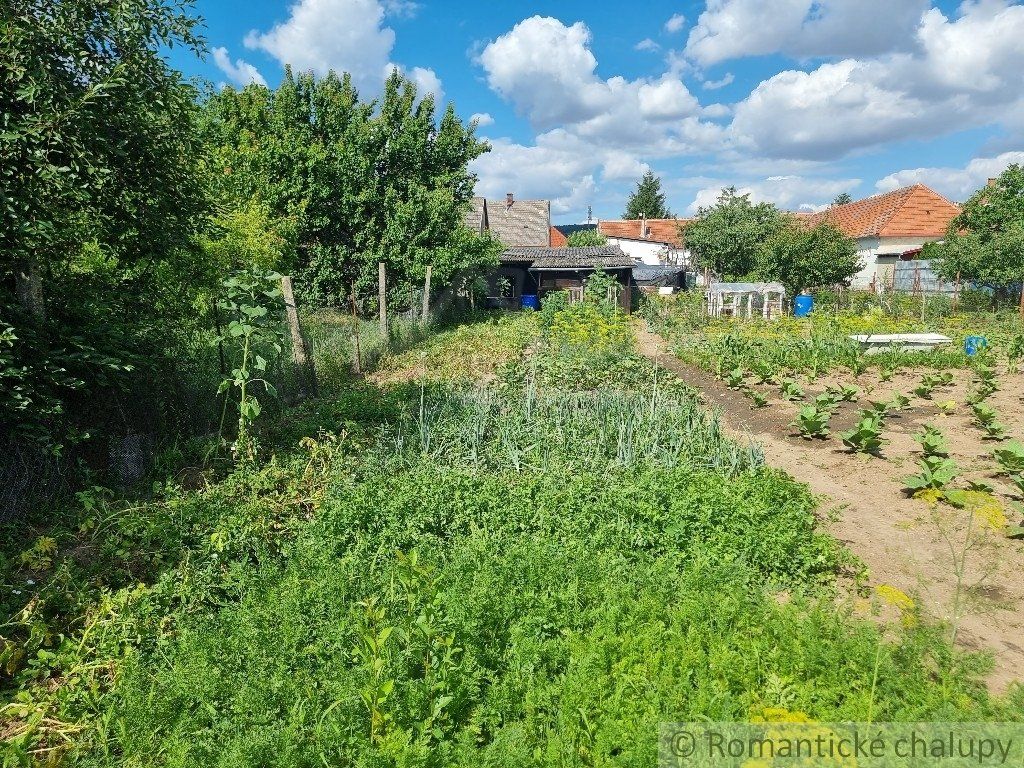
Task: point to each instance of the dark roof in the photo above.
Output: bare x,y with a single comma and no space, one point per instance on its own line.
653,273
570,229
525,222
593,257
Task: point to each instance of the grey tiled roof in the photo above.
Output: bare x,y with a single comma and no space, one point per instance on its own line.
476,217
593,257
526,222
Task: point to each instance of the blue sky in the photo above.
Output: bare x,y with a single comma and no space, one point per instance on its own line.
793,101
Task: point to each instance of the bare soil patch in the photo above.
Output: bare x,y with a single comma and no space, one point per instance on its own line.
898,538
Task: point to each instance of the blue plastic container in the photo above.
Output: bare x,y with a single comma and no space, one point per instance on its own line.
802,305
974,344
530,301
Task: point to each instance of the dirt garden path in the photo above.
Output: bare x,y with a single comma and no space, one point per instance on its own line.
862,503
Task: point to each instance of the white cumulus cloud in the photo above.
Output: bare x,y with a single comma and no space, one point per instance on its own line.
955,183
959,73
343,35
789,192
239,71
675,23
729,29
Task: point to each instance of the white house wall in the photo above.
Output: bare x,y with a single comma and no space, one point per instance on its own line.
650,253
869,249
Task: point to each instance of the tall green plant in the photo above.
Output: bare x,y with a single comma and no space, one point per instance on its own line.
252,304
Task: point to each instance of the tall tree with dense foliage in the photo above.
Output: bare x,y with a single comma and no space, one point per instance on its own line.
360,182
647,200
727,236
802,258
101,205
985,243
583,238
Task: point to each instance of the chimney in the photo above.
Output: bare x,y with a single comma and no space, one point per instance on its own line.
509,199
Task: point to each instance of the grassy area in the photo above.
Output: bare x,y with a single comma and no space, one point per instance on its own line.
532,571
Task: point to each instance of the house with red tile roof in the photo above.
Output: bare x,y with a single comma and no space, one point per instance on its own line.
649,241
890,227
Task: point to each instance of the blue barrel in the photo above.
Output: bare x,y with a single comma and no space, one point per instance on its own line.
530,301
974,344
802,305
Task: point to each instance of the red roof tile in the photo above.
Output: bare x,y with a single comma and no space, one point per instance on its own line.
915,211
658,230
558,240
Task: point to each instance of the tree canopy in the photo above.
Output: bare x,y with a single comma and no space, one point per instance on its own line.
586,237
985,243
800,257
728,235
361,181
842,199
102,203
647,200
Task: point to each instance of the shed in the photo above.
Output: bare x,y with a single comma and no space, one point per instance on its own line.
746,300
538,271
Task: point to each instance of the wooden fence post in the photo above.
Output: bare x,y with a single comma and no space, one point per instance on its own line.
382,299
357,362
426,294
300,352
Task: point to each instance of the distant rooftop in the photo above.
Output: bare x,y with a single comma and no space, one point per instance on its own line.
915,211
592,257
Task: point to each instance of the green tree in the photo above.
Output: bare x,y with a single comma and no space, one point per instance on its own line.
362,181
583,238
842,199
728,235
802,258
647,200
985,243
101,203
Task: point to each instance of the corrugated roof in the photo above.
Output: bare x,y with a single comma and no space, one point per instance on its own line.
915,211
593,257
525,222
658,230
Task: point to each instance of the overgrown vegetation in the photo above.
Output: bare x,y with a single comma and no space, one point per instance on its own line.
454,574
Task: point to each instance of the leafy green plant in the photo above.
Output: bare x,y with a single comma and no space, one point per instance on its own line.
946,407
898,402
252,305
932,441
866,436
924,390
759,400
826,401
986,419
936,473
1010,457
812,421
766,372
844,393
735,378
791,390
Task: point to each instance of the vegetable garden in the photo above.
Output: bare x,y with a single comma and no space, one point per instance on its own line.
513,570
917,449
